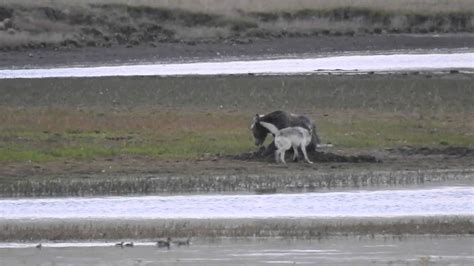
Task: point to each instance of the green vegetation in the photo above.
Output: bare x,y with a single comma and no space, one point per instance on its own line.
55,140
49,137
189,146
186,117
392,132
108,23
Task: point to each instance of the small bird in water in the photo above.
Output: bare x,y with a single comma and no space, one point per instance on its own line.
39,246
164,243
119,244
129,244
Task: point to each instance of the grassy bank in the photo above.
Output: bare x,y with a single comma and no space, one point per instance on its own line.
45,134
12,230
188,117
57,136
108,23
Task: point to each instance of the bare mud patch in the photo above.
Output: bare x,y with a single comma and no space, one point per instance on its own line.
315,156
449,151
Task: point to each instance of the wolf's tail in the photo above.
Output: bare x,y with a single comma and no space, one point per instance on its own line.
273,129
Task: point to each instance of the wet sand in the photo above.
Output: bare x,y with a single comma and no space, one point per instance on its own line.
286,47
380,250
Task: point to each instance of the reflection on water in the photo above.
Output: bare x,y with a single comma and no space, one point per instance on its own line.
407,250
386,203
394,62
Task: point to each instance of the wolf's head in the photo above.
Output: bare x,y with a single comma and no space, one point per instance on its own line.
259,133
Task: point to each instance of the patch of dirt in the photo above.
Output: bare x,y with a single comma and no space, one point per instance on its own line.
450,151
245,164
315,156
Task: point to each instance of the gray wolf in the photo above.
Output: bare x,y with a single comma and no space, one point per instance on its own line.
281,119
290,137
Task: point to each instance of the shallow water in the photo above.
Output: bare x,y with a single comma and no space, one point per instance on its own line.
451,200
407,250
393,62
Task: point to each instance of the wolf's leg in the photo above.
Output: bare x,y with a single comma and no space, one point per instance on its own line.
269,149
295,154
303,148
277,156
312,146
315,140
282,156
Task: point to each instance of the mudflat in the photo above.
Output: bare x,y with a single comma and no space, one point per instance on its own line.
259,48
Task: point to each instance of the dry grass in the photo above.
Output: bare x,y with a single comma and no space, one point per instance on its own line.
24,39
313,26
229,6
32,230
201,32
56,119
229,182
119,22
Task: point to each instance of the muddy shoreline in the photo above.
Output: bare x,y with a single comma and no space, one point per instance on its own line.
87,229
245,173
260,48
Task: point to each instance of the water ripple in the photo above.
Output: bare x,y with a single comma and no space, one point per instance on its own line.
386,203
